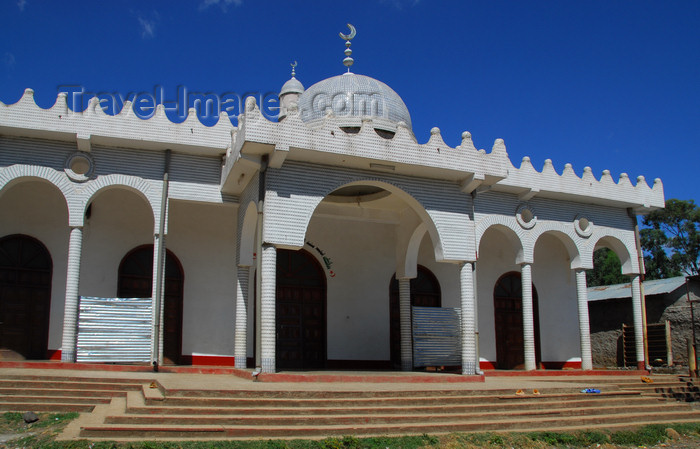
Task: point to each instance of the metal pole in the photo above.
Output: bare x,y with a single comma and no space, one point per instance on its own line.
160,265
258,264
693,367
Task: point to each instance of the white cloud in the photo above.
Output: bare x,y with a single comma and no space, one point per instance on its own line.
223,4
400,4
8,60
148,27
21,4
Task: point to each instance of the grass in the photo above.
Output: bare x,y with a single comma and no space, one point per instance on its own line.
41,435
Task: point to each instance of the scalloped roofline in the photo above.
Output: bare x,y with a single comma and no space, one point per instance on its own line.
474,169
59,122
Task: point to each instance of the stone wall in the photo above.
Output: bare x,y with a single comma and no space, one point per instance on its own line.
608,316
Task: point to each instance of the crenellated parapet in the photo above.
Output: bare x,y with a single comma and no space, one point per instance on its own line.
364,147
527,182
93,126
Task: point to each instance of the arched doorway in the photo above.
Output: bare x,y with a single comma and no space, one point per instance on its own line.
508,310
25,297
425,292
300,311
136,281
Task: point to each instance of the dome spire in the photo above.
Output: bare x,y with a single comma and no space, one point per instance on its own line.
348,61
294,65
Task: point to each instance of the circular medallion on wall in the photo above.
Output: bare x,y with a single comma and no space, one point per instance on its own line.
583,226
525,215
79,166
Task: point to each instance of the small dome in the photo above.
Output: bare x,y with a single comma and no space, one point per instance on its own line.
293,86
351,97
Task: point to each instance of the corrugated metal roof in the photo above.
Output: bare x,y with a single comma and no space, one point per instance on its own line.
655,287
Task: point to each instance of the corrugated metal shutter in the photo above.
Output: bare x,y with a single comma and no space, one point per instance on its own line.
437,337
114,330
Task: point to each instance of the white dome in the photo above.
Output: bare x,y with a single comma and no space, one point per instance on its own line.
351,97
292,86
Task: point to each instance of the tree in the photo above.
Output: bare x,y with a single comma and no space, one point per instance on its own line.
607,269
671,240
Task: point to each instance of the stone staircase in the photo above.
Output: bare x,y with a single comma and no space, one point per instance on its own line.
143,410
53,394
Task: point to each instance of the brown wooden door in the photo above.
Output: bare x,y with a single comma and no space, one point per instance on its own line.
425,292
300,311
136,281
25,297
508,314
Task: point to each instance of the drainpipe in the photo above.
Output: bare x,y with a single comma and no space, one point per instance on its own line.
640,258
258,264
476,295
160,265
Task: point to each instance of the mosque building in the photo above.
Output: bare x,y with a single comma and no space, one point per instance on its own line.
329,239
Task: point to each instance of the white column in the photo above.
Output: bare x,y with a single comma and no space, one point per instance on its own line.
268,308
241,332
583,321
466,283
528,318
70,314
405,324
637,315
158,296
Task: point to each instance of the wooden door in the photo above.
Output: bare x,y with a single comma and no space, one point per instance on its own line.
136,281
508,314
25,297
300,311
425,292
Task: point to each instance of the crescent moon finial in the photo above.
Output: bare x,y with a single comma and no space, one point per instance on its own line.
352,34
293,65
348,61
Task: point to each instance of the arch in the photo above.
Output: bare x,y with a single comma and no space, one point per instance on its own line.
301,188
135,280
25,300
508,320
626,254
407,267
569,244
16,174
301,305
420,210
130,183
425,292
247,237
513,237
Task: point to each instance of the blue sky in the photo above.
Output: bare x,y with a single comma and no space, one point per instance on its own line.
608,84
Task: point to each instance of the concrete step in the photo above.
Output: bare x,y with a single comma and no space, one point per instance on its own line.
47,391
332,394
417,416
68,385
53,407
365,402
315,430
20,398
81,379
141,408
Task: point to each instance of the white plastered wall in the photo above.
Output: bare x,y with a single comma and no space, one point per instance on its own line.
363,257
203,237
38,209
496,257
120,220
447,274
556,290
